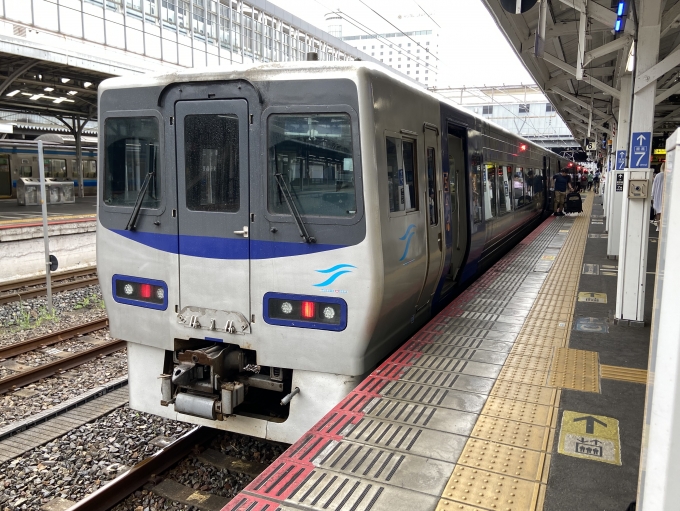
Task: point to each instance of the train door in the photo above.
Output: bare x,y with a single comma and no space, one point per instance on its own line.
433,199
5,177
213,204
459,218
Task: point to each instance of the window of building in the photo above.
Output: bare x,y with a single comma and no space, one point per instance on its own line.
364,47
426,71
427,43
426,78
427,57
524,108
417,51
313,154
549,107
409,44
408,65
399,66
399,59
372,47
408,72
417,65
381,60
417,72
401,174
390,60
132,145
381,53
487,109
381,45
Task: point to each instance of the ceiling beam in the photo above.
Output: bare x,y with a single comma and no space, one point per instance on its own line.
594,126
668,117
586,78
670,19
668,92
657,70
16,74
599,13
577,101
606,49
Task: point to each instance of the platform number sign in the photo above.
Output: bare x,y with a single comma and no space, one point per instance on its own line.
619,182
620,160
641,142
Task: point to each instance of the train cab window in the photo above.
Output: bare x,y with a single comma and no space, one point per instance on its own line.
490,192
131,154
26,171
313,153
212,172
433,205
55,168
505,192
401,174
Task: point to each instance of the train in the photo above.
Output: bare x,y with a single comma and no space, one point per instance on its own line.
268,234
19,158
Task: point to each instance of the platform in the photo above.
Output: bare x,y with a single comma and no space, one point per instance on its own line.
520,395
13,215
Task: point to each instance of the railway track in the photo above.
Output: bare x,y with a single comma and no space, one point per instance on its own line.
64,362
147,472
33,287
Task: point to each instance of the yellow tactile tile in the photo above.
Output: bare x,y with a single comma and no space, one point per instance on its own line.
516,428
518,434
524,392
490,490
502,459
520,411
623,374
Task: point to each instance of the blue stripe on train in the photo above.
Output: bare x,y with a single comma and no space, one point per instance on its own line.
223,248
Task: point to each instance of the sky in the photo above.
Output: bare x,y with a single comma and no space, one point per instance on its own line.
473,50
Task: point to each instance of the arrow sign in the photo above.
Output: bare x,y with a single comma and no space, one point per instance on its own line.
640,150
590,423
620,160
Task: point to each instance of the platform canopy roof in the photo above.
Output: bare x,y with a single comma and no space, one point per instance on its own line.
583,59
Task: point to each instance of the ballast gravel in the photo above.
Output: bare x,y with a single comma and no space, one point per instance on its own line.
80,462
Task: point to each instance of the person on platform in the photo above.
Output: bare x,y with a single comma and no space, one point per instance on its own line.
596,181
657,195
584,180
562,184
590,180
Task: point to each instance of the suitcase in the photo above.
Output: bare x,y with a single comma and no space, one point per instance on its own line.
572,203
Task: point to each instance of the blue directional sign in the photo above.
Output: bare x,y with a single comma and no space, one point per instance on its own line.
640,144
620,160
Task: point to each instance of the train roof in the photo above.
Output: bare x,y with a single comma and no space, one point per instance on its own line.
307,70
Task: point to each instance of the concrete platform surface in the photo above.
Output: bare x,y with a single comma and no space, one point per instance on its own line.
13,214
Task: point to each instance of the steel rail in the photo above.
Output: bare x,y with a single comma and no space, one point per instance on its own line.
40,280
41,291
22,378
45,340
108,496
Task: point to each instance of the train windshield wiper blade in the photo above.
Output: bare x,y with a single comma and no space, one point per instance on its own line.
293,209
132,222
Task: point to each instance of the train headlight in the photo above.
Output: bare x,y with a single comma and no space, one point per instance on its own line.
140,292
304,311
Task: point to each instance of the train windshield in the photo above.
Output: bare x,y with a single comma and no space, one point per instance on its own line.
313,155
132,145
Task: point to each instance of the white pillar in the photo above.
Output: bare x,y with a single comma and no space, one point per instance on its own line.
632,274
615,198
658,487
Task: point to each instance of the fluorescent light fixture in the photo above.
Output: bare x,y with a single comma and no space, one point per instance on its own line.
62,99
72,93
49,89
87,84
630,63
35,97
13,93
65,80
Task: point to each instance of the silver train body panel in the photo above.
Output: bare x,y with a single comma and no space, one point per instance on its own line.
390,266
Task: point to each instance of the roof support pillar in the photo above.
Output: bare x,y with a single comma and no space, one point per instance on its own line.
632,274
614,199
582,24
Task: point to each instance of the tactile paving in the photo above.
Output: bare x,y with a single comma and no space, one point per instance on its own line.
503,459
575,369
524,392
623,374
520,411
487,489
518,434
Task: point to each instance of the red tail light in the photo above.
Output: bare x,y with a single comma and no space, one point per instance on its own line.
308,309
145,290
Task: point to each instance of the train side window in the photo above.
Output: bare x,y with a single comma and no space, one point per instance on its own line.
55,168
25,171
476,191
401,174
490,192
313,153
89,169
505,194
518,188
433,204
131,153
212,173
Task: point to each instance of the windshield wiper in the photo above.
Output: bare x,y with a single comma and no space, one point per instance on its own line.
132,222
293,209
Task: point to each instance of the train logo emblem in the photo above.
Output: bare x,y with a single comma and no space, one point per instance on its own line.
410,231
335,272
